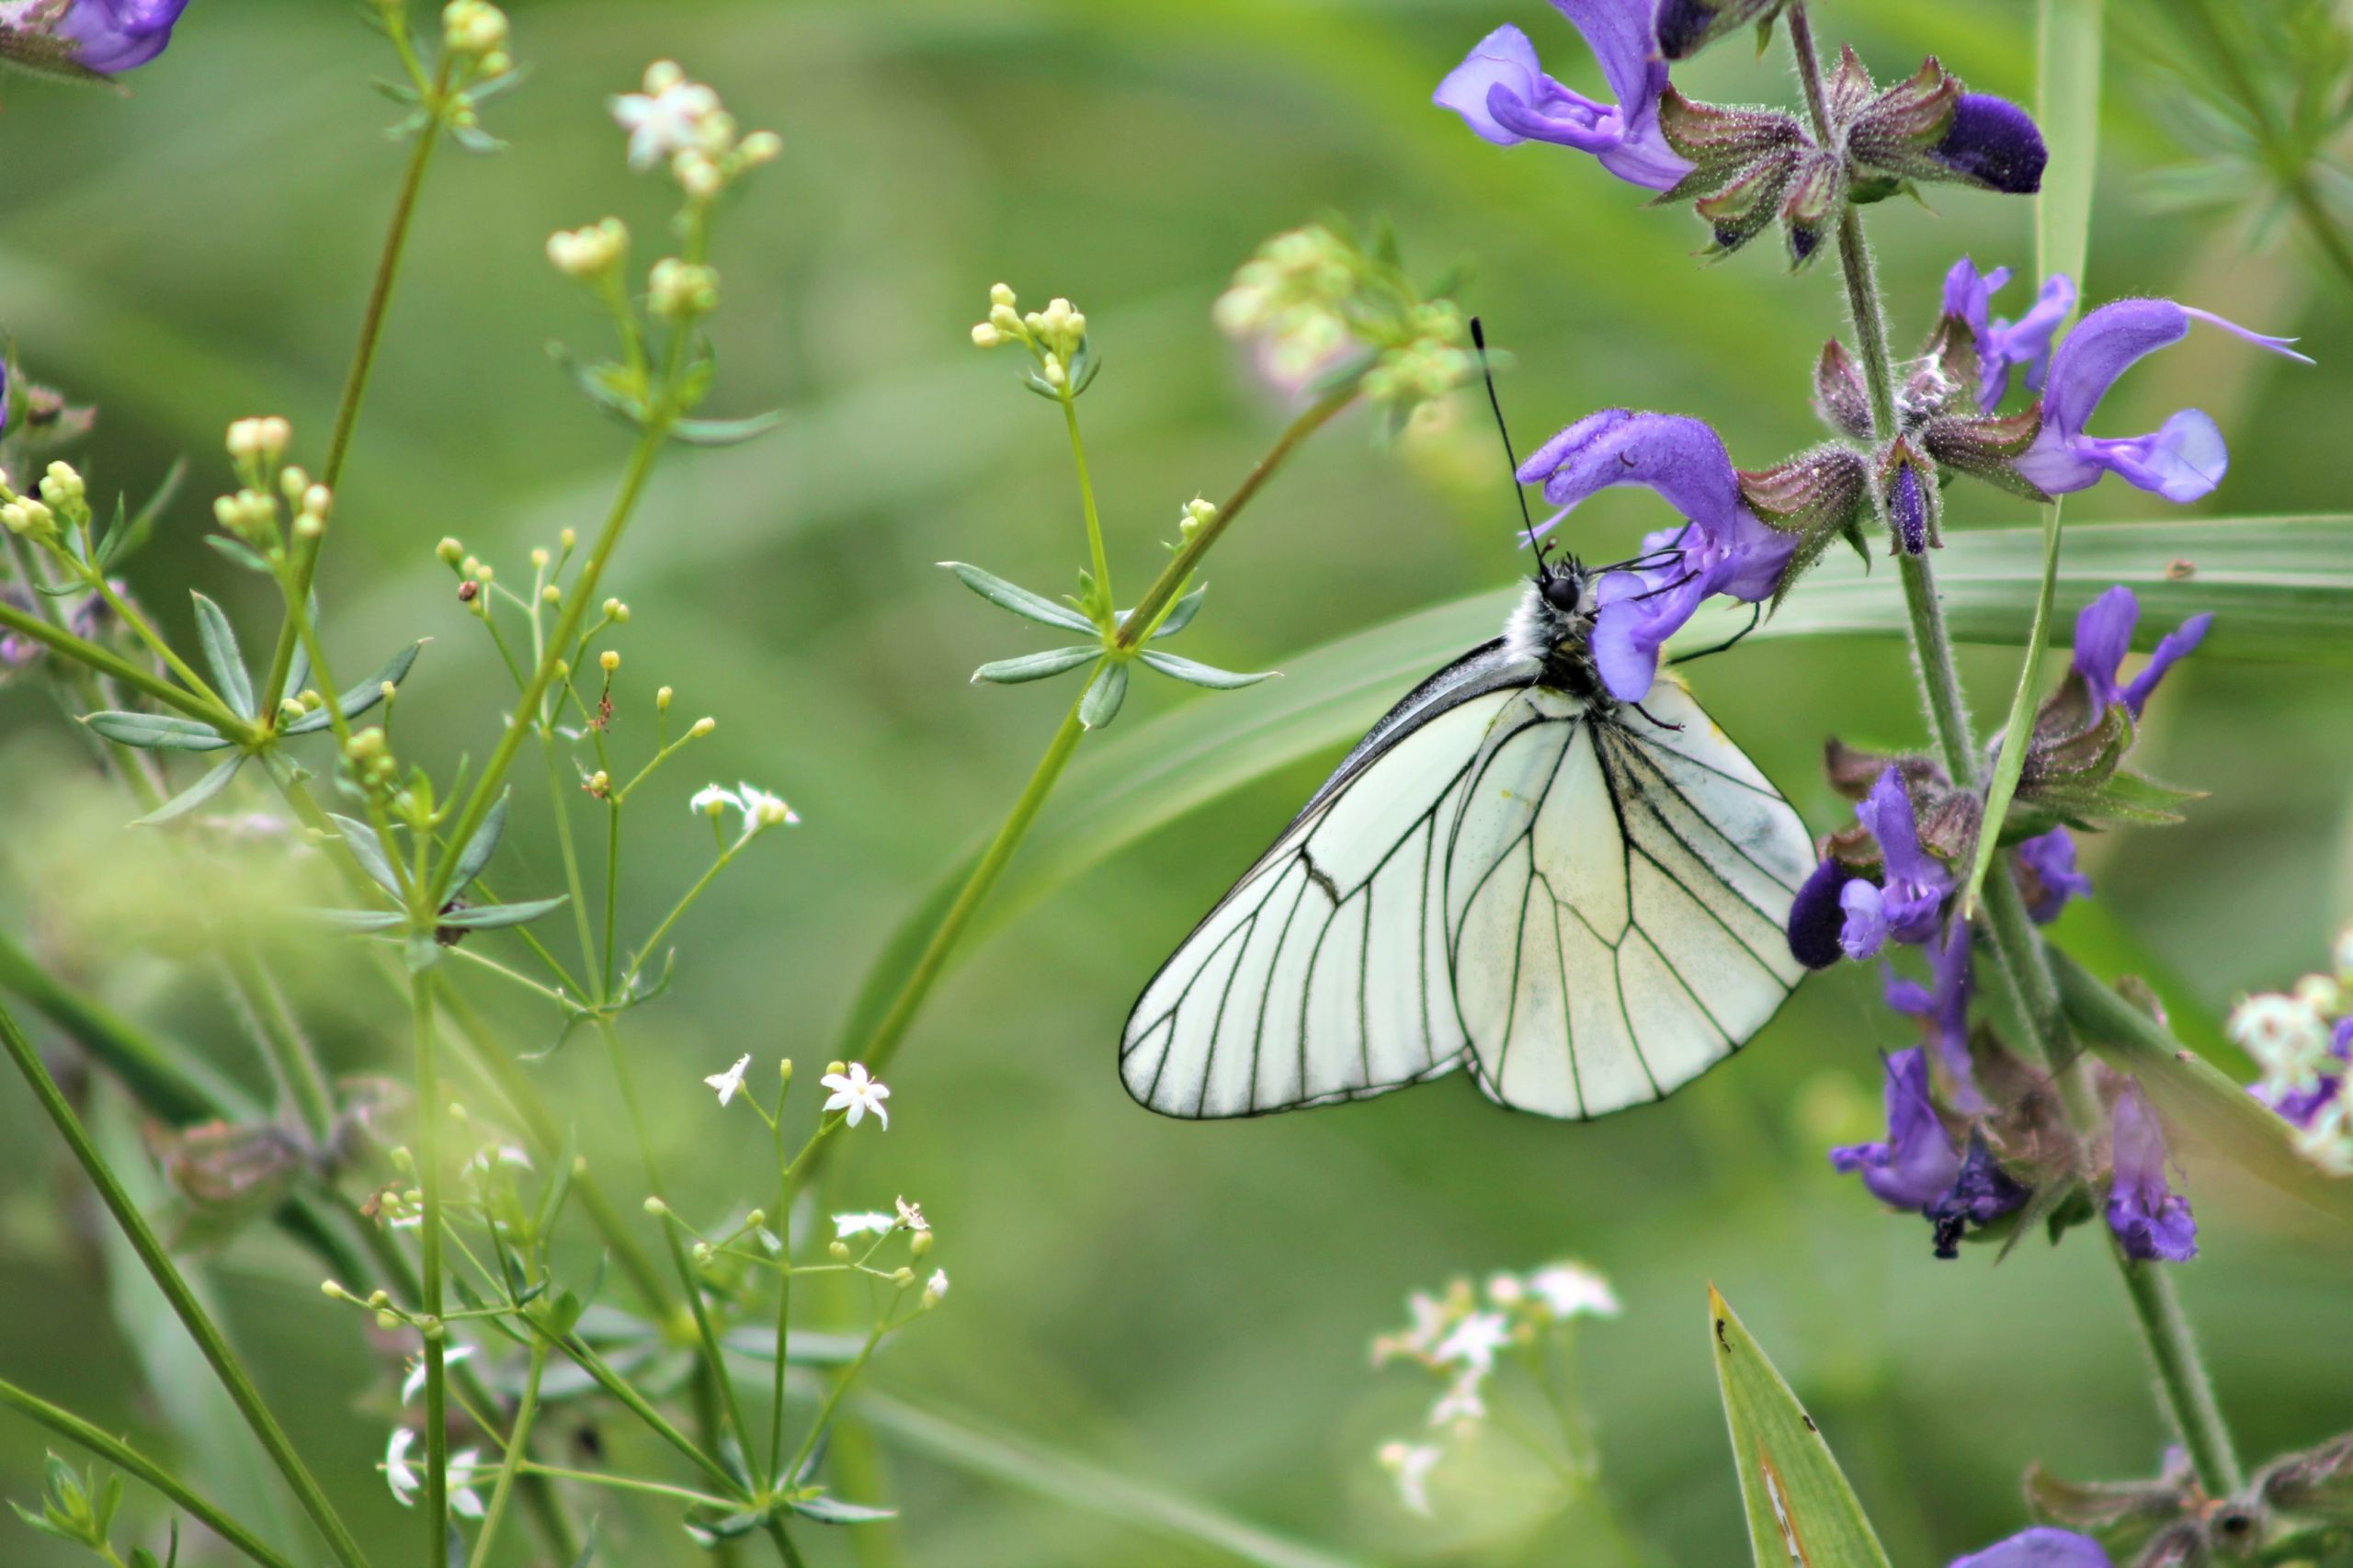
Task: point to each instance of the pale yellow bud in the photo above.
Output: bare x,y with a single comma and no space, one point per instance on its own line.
567,538
608,661
987,337
760,147
661,700
703,727
451,551
540,558
293,481
1001,294
552,594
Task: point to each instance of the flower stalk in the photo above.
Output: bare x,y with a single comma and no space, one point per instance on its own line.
2185,1389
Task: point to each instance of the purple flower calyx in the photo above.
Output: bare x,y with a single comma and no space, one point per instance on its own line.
1929,127
1749,168
1686,26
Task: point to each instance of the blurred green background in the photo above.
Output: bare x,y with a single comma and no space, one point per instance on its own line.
1187,1305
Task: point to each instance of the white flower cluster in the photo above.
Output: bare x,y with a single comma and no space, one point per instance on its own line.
682,123
2300,1039
1459,1336
761,811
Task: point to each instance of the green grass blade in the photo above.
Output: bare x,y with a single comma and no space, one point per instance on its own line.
2016,728
2066,109
1801,1513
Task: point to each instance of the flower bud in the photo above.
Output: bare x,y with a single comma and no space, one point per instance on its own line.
985,335
760,147
654,1206
661,700
679,290
589,253
608,661
840,1250
472,26
702,727
335,1292
61,486
539,557
552,593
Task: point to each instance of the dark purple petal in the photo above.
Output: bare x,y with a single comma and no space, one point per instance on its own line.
2042,1547
2297,1105
2051,858
1907,508
1912,894
1816,916
1918,1164
1992,142
2150,1221
1980,1195
2103,636
117,34
1683,26
2176,644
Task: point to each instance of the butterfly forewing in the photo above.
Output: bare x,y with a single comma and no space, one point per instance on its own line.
1322,976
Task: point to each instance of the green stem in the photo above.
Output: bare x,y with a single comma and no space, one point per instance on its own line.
363,360
106,661
429,1293
1087,499
123,1457
841,1382
191,1311
295,1064
2188,1397
519,1448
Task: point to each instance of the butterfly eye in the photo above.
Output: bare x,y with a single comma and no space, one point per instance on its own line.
1564,592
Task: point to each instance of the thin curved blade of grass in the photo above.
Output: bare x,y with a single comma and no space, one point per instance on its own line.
1801,1513
2019,725
2193,1093
966,1444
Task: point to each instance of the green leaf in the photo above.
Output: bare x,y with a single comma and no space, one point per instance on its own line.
124,539
238,551
1198,674
195,794
298,666
2195,1095
369,850
968,1444
835,1511
157,731
480,846
2019,729
2066,110
612,387
364,696
1180,614
1037,667
1801,1513
1020,601
490,916
359,919
1104,694
221,651
726,432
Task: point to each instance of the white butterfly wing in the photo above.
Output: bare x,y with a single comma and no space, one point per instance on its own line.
1322,976
1616,896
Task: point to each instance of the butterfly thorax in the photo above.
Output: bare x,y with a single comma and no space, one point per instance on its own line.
1552,626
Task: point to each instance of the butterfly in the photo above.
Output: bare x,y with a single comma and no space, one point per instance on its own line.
1582,900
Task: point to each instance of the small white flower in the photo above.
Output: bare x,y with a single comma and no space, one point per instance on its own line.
667,119
1571,1289
1506,1289
855,1094
710,801
763,809
464,1464
1431,1318
911,1215
727,1082
1460,1402
2287,1037
414,1384
936,1285
397,1474
1411,1463
2320,993
869,1224
1474,1341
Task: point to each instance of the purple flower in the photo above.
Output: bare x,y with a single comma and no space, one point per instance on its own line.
1723,548
2042,1547
1918,1164
1504,95
1943,1005
2104,635
1992,142
1816,916
106,36
2181,461
2050,860
1980,1195
1906,902
2150,1221
2006,345
2303,1106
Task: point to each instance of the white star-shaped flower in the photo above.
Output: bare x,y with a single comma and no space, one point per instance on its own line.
869,1224
727,1082
1411,1463
414,1384
397,1474
1431,1317
710,801
856,1093
667,119
1571,1289
911,1216
1475,1341
763,809
463,1466
936,1285
1462,1401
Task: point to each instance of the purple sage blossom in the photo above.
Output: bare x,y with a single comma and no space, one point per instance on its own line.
2104,635
1942,1005
2004,346
1722,547
2182,461
1993,143
1918,1164
1503,93
2042,1547
106,36
1980,1195
1906,904
2050,859
1816,915
2150,1219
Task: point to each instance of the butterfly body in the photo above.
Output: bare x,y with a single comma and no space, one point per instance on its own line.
1579,898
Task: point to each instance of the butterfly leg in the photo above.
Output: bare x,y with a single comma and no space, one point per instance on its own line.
1654,718
1755,614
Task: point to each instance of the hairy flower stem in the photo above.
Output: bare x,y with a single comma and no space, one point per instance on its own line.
2187,1396
363,360
883,1042
175,1287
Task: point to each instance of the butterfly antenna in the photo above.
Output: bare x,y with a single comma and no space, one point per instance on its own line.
1511,458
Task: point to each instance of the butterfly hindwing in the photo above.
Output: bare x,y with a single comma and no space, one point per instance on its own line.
1616,897
1323,975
